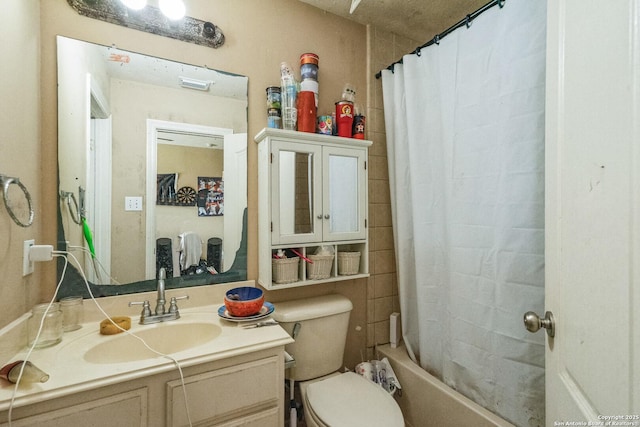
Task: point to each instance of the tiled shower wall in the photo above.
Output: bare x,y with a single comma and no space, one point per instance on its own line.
382,287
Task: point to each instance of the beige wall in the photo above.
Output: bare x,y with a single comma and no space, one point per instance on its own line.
72,108
382,291
20,151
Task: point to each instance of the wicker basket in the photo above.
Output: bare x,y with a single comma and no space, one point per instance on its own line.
321,267
348,263
285,270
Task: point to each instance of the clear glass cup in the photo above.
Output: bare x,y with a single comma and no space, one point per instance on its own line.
51,332
72,313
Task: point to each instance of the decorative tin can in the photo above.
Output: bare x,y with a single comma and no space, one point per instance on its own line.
358,126
325,125
273,97
274,120
309,66
334,129
344,118
274,113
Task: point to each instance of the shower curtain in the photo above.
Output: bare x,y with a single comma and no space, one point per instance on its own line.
465,139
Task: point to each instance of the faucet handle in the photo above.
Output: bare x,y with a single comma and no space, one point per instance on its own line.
173,305
146,308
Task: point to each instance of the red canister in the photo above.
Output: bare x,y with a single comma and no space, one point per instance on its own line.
344,118
306,111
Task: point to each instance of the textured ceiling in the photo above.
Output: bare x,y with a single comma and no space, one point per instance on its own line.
419,20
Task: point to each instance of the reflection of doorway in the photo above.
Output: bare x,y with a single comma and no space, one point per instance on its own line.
171,133
235,176
98,193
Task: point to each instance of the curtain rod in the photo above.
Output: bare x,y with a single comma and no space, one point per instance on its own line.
466,22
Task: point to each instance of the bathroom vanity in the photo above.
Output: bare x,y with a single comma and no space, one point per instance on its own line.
233,376
312,193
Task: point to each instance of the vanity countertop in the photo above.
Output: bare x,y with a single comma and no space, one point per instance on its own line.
71,373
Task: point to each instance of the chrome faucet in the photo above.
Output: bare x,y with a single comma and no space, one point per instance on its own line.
160,314
160,301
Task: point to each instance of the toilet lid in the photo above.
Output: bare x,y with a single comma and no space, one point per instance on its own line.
350,400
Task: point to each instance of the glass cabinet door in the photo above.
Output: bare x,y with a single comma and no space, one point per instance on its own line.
296,193
345,187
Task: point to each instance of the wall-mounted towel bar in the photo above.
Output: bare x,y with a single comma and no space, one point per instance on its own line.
6,181
74,211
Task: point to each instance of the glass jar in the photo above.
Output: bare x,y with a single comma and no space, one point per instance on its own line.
51,332
72,314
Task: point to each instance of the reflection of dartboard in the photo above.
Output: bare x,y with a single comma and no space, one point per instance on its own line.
186,196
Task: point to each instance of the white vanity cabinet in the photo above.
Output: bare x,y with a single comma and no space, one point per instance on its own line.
312,192
246,390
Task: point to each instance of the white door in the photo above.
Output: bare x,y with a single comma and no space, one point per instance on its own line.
592,211
235,195
99,198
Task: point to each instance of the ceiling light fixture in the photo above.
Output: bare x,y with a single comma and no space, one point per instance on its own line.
153,20
172,9
134,4
190,83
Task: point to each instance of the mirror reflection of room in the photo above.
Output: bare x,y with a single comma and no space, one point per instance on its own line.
149,118
185,169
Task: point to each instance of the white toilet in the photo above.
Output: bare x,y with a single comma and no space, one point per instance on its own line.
331,398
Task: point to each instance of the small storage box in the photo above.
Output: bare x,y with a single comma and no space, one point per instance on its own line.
285,270
321,267
348,263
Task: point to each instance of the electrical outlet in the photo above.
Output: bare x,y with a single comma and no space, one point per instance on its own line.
133,203
27,264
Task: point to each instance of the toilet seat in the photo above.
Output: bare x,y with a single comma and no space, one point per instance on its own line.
349,400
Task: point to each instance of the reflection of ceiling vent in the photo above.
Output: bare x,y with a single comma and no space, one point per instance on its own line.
190,139
190,83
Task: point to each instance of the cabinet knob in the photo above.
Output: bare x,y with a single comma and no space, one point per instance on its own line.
326,216
320,216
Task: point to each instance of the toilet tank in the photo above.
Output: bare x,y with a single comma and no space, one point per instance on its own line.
319,345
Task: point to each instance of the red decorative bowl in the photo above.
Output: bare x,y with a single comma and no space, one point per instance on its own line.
244,301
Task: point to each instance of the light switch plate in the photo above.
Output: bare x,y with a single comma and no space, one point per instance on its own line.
133,203
27,264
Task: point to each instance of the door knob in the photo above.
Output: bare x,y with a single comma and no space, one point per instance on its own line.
533,322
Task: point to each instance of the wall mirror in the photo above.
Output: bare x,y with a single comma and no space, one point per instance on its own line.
152,170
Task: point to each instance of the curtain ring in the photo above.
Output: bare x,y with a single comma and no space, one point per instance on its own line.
468,21
6,182
436,39
501,3
418,52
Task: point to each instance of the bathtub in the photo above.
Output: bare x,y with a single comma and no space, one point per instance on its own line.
427,402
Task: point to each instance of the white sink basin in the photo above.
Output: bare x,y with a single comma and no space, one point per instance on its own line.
165,338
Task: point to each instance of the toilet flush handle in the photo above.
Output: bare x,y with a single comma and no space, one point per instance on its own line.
296,330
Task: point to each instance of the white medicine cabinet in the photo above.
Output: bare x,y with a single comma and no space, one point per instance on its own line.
312,193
